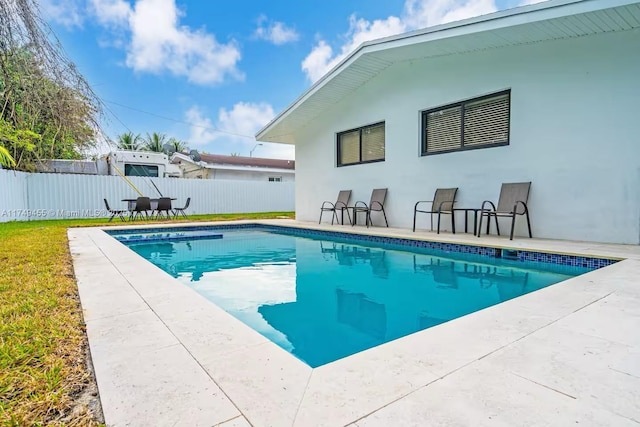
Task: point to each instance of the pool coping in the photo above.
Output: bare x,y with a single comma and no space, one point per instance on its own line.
244,377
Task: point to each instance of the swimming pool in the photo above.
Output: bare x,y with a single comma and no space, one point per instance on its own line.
323,297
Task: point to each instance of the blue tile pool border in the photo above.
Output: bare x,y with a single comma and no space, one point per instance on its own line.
484,251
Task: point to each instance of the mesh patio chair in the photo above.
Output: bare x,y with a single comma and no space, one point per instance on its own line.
339,205
442,203
180,211
143,204
119,212
513,201
376,204
163,205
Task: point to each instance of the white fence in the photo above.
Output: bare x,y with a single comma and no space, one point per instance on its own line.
31,196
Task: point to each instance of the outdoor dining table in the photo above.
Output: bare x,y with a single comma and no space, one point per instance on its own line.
131,203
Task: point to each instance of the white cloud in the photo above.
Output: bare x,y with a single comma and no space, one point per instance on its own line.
111,12
321,58
202,131
245,118
528,2
427,13
415,14
236,128
361,30
69,13
158,43
319,61
275,32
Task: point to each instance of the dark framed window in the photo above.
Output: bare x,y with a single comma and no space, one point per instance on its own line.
475,123
361,145
140,170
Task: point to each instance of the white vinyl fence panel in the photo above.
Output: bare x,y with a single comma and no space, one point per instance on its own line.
30,196
13,193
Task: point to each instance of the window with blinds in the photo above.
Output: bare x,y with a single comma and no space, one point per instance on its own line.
362,145
476,123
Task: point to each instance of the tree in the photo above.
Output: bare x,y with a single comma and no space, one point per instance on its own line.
235,154
154,142
23,140
177,145
47,107
129,141
5,158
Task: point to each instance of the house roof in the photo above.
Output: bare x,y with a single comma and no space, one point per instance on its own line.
550,20
257,162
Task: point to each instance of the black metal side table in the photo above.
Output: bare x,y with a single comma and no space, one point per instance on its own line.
466,218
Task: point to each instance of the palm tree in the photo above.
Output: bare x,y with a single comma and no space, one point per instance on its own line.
154,142
129,141
177,145
5,158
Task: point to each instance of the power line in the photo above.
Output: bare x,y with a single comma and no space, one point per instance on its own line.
179,121
117,118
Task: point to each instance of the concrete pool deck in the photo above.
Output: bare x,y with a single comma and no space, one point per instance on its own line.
164,355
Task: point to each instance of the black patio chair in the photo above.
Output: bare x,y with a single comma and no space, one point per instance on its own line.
442,204
143,204
115,212
376,204
339,205
163,205
180,211
513,201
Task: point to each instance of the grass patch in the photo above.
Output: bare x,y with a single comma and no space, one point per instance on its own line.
43,346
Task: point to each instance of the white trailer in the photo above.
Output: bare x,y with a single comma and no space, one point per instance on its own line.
141,163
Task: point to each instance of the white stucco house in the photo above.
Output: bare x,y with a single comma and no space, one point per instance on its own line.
547,93
217,166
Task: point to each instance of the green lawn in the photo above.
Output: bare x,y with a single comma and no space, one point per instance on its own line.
44,379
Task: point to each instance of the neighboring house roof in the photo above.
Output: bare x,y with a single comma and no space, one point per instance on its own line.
234,162
86,167
550,20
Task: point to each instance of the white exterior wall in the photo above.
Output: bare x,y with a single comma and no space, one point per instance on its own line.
195,173
245,175
574,127
235,174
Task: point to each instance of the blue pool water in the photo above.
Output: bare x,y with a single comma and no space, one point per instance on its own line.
323,300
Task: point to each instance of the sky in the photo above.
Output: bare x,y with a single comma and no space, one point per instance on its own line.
212,73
